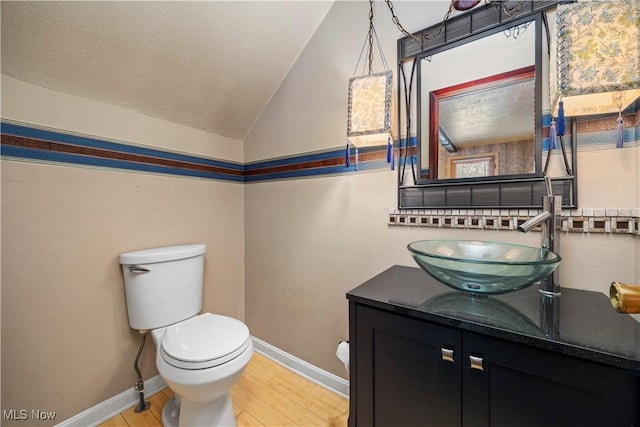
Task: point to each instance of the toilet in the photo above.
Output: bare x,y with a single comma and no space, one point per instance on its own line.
200,356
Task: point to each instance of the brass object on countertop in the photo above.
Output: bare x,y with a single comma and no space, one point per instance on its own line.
624,297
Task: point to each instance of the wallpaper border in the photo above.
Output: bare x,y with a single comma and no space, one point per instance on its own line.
25,142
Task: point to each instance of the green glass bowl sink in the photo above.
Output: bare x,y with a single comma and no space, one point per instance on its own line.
481,267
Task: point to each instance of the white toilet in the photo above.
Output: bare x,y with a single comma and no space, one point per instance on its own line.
200,356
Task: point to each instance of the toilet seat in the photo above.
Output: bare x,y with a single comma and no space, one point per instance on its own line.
204,341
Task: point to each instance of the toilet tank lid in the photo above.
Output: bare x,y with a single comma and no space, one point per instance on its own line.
169,253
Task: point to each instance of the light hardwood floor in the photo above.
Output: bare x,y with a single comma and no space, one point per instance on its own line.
267,394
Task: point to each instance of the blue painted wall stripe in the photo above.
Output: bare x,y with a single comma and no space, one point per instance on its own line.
53,136
298,163
55,156
75,159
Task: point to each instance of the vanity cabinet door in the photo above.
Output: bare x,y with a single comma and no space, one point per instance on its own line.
508,385
407,372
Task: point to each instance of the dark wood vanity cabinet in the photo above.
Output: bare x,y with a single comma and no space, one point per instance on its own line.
401,378
407,371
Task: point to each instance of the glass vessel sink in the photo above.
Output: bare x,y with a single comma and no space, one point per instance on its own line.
481,267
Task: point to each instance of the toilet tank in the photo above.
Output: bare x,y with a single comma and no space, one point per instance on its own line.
163,285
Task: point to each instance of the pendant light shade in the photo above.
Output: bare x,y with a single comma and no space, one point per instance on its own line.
369,109
595,66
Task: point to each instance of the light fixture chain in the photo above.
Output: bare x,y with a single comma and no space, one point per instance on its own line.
370,36
508,11
396,21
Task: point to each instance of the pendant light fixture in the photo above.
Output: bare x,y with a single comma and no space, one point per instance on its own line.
595,65
369,104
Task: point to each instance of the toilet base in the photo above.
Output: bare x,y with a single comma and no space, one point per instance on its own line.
170,413
188,413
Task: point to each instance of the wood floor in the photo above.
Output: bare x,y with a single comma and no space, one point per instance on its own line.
267,394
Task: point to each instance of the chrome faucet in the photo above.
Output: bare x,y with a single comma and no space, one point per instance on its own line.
549,220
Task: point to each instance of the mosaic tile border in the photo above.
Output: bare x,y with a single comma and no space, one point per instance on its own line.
622,221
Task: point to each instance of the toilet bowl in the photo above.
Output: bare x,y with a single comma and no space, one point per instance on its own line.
200,359
200,356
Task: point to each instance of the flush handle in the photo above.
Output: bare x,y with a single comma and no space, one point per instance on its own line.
136,269
476,363
447,354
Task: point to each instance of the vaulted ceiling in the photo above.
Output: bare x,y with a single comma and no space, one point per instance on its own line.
211,65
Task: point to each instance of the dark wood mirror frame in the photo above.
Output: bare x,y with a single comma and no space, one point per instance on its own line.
509,191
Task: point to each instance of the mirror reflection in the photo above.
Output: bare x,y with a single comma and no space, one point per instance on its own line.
477,119
485,127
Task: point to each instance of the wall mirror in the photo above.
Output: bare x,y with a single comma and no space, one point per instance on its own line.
482,112
477,119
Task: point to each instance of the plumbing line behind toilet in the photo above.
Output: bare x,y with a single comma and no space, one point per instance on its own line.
139,387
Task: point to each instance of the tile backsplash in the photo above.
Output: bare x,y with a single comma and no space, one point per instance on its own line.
585,220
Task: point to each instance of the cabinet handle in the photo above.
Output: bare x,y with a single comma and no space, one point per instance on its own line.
476,363
447,354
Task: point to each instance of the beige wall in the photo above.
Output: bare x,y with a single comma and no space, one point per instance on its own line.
66,342
310,241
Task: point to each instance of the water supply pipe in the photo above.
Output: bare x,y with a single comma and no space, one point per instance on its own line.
139,387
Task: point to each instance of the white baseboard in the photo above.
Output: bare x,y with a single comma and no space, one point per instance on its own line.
113,406
128,398
319,376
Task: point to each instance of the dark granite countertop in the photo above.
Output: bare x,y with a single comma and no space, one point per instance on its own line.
578,323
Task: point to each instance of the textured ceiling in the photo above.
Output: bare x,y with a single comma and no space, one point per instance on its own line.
211,65
503,113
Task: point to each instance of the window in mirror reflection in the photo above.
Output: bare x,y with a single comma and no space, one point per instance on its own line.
472,167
